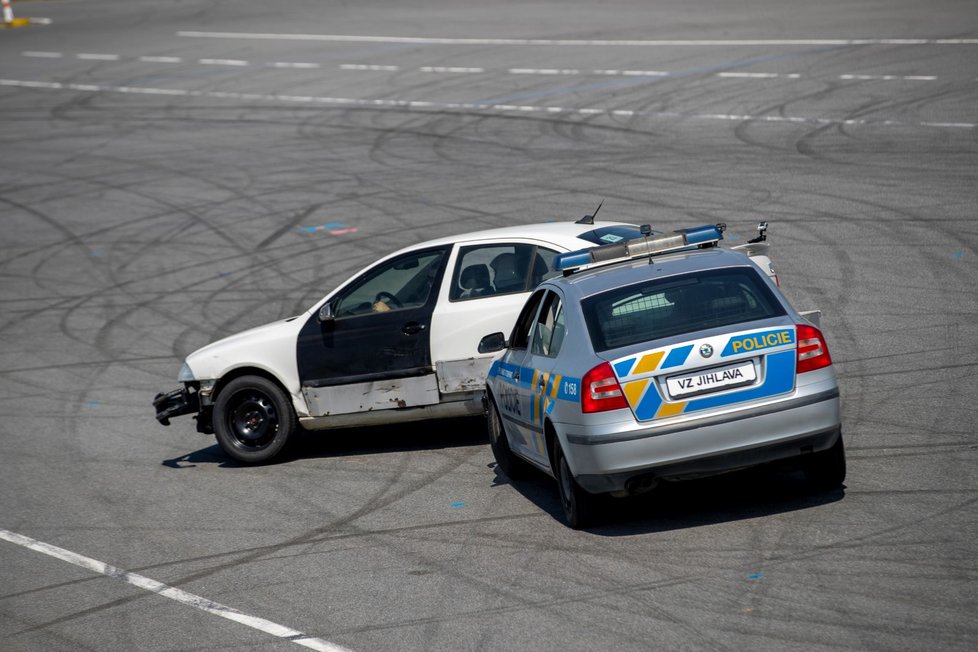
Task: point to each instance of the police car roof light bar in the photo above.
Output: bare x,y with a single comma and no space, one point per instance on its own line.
704,236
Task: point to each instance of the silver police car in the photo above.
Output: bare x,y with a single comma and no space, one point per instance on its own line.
660,359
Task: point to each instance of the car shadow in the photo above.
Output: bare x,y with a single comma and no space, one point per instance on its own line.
413,436
735,496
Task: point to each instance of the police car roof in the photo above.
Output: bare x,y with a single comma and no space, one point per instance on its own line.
599,278
565,233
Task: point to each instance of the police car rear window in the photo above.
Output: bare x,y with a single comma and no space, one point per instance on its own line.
611,234
665,307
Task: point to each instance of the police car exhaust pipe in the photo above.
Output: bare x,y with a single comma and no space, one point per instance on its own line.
641,484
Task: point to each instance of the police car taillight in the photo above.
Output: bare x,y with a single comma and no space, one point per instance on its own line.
601,390
813,353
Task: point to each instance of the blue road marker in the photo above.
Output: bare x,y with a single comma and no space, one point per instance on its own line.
333,228
756,576
458,504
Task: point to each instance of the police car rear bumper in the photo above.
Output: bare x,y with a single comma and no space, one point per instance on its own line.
632,461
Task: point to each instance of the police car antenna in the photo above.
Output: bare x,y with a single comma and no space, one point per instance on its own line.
589,219
761,233
646,230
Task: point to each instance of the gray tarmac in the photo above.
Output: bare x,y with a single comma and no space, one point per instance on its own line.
175,172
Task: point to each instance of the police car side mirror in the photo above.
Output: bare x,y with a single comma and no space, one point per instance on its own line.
326,313
492,343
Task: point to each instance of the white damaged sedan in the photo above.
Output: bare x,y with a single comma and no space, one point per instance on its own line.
396,342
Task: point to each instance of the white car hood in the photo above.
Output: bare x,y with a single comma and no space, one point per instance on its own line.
271,347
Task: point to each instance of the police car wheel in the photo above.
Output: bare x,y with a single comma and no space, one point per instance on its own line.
827,469
513,467
253,419
578,505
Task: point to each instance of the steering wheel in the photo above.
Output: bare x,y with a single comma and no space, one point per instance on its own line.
389,299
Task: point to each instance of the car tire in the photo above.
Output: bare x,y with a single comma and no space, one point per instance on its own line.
513,467
578,505
827,469
253,419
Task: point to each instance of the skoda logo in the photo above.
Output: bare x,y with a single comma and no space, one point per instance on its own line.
706,350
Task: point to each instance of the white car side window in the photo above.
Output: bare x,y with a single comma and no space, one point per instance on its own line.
496,269
404,282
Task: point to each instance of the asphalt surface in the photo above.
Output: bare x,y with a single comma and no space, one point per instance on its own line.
174,172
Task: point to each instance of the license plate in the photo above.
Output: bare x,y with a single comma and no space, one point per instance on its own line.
739,374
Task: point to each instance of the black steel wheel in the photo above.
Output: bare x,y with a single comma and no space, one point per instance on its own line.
579,506
253,419
513,467
827,469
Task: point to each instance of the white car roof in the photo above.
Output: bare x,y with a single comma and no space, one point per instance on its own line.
564,234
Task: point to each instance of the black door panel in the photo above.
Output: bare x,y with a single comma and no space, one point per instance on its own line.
368,341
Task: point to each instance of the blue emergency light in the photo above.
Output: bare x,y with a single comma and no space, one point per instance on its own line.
706,235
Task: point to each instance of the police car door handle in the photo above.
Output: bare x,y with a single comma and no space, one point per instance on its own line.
412,328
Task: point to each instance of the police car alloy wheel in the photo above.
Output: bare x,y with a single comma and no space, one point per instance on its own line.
511,466
253,419
578,505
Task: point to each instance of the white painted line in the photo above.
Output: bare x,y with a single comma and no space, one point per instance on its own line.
349,38
644,73
364,66
39,21
543,71
161,59
450,69
151,91
749,75
889,77
468,106
631,73
294,64
223,62
472,70
31,84
172,593
98,57
952,125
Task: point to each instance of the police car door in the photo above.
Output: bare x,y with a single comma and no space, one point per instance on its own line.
511,399
368,348
540,392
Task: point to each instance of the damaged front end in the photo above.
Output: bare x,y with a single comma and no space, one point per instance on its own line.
193,397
